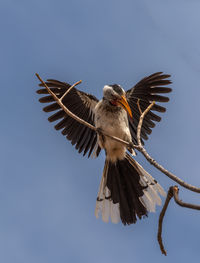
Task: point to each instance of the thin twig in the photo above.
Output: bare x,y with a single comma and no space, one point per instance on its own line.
172,192
166,172
138,104
160,222
181,203
75,84
141,122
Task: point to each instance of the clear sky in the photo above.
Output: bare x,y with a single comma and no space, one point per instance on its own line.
48,190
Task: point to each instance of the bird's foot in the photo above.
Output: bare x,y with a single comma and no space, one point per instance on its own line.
131,145
130,148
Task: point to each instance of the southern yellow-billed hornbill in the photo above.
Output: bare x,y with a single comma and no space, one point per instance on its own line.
126,191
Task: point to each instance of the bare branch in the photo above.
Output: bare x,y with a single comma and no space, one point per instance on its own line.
160,222
153,162
166,172
181,203
172,192
75,84
138,104
141,122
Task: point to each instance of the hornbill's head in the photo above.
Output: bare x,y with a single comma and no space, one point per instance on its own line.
116,96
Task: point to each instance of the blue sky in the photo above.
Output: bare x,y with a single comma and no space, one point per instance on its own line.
48,190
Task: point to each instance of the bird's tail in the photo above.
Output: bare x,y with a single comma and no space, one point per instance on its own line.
126,192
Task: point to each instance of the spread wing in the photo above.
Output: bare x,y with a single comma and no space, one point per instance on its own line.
81,104
147,90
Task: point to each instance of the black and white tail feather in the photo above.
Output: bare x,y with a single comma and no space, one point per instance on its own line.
126,192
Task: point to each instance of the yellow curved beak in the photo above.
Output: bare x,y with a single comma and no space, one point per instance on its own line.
124,104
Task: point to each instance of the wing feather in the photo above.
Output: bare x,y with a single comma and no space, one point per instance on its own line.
78,102
146,91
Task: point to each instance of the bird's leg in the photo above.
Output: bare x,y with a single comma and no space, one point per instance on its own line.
131,145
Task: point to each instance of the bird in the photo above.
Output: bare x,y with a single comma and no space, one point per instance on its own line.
127,192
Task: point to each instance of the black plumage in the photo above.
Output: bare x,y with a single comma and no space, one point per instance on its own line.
146,91
123,183
81,104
